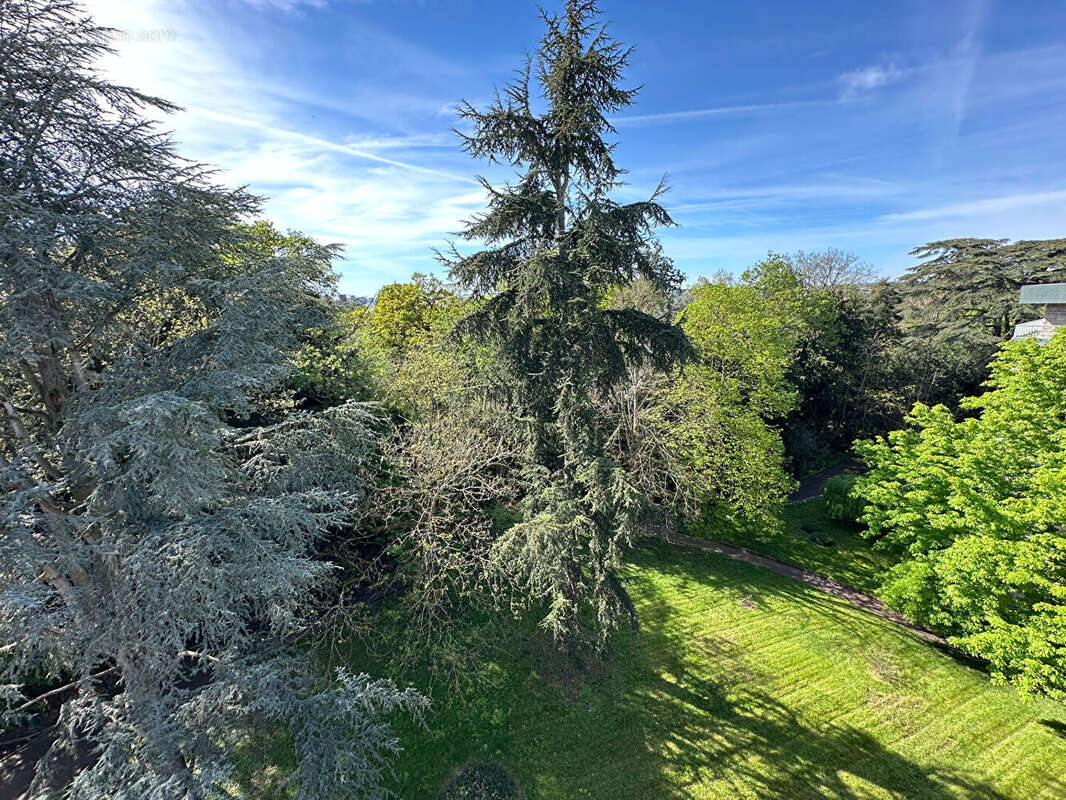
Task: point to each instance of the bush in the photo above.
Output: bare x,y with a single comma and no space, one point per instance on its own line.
482,781
840,502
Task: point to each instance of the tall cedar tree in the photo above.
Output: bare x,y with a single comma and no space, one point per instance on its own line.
557,245
155,543
966,291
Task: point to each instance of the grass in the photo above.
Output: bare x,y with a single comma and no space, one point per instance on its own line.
742,684
851,560
745,684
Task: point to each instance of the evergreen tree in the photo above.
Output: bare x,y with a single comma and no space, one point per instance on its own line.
155,531
966,291
557,244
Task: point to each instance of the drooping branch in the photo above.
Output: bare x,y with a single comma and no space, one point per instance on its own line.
62,689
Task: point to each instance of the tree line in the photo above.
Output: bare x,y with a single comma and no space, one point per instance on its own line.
207,462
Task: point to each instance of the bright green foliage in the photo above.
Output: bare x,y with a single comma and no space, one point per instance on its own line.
978,506
747,336
404,315
419,366
715,415
330,366
557,245
398,351
841,503
427,378
869,351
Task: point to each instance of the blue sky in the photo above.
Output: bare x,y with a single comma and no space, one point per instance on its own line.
871,127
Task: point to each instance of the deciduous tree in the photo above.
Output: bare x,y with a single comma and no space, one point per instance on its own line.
978,507
831,269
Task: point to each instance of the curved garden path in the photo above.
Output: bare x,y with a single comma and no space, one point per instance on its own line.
814,579
814,485
811,487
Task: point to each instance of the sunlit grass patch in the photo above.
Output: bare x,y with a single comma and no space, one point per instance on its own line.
745,684
802,540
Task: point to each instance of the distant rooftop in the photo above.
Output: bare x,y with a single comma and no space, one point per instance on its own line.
1039,329
1043,293
354,300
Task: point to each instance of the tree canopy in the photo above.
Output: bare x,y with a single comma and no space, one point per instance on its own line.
160,506
966,291
719,415
557,244
977,506
831,269
211,467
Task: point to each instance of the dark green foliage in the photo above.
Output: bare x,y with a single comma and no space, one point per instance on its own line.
966,292
961,303
481,781
847,371
333,365
840,503
557,244
873,350
870,352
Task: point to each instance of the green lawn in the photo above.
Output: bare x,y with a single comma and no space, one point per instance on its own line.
745,684
851,560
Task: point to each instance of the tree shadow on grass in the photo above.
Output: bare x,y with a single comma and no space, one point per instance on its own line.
720,736
1056,725
756,584
754,746
683,709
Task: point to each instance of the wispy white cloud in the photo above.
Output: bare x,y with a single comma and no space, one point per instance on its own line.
860,81
667,117
324,144
984,207
387,197
884,242
387,218
414,142
762,196
288,5
968,52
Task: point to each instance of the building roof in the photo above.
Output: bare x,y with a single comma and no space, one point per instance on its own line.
1043,293
1039,329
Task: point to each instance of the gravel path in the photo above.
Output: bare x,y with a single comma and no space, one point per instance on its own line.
814,485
